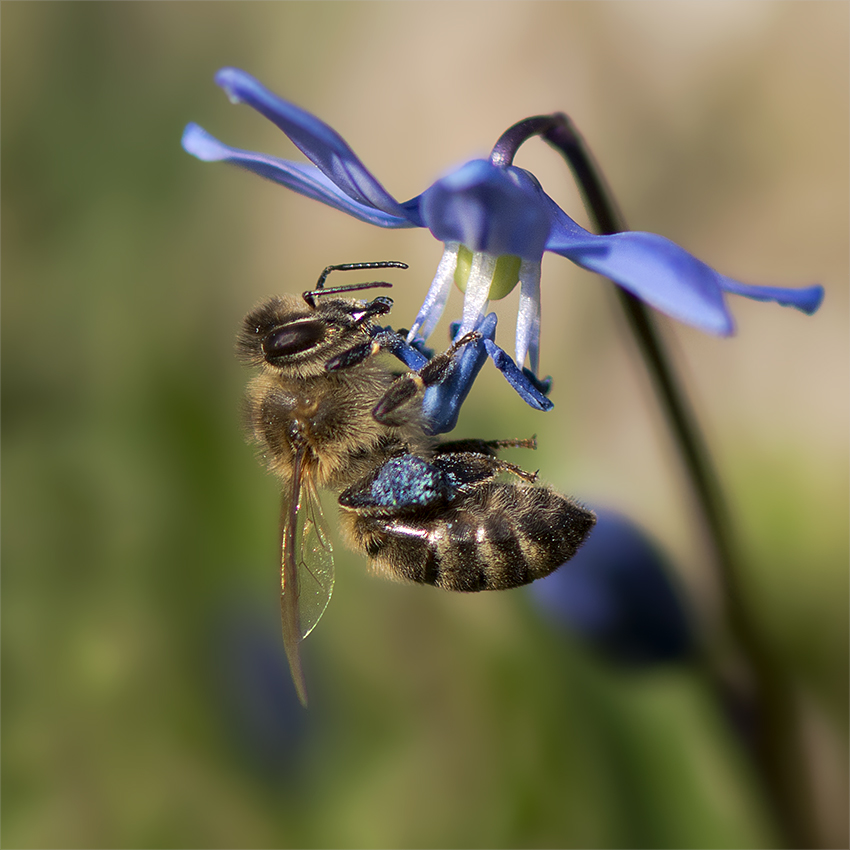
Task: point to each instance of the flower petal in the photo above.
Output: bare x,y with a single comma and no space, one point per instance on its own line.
651,267
321,144
666,276
487,208
805,298
302,178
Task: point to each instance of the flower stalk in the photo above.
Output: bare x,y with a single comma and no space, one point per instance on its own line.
777,746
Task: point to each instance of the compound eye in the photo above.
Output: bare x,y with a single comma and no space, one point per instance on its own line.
293,339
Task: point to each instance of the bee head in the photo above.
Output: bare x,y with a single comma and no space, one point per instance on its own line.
302,337
281,331
295,337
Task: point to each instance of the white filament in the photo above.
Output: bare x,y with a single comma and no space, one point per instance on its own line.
477,290
528,317
438,293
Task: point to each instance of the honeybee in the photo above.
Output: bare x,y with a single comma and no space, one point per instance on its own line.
327,413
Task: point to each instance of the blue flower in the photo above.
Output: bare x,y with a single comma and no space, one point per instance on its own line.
616,596
496,222
249,671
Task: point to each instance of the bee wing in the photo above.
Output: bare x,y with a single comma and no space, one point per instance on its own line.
307,569
314,556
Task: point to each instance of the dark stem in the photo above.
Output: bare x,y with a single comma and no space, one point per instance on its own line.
777,745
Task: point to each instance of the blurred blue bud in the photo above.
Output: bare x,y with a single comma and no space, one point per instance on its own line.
262,715
615,594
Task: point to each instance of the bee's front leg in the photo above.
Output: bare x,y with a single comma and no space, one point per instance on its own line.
441,402
434,372
381,339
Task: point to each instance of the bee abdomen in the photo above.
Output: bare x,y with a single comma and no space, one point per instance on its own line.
494,537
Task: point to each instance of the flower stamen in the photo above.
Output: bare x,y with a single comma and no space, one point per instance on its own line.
528,316
477,295
438,294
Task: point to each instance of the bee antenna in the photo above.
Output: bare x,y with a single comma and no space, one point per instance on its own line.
310,296
344,267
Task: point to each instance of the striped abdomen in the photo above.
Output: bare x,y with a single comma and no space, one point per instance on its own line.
492,536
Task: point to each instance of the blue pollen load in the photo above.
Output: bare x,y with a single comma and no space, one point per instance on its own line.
409,480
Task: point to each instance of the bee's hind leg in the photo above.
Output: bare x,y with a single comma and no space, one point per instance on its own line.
470,467
401,483
485,447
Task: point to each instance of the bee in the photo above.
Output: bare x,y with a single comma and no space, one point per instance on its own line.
327,413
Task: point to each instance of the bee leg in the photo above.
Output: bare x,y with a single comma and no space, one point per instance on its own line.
441,403
401,483
443,399
469,467
381,339
434,372
451,383
485,447
352,356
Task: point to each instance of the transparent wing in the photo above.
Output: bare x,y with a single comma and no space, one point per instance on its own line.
306,571
314,560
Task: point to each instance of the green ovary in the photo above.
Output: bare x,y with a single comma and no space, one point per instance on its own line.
505,278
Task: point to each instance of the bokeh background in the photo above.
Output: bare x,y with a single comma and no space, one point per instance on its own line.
145,698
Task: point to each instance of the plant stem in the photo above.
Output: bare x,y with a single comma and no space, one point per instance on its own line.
777,746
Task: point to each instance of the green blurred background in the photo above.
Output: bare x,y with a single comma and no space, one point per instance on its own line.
143,693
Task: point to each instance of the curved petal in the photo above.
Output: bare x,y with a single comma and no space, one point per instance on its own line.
321,144
651,267
412,211
490,209
305,179
805,298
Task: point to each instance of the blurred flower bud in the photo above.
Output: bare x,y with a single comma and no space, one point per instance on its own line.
261,710
615,594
